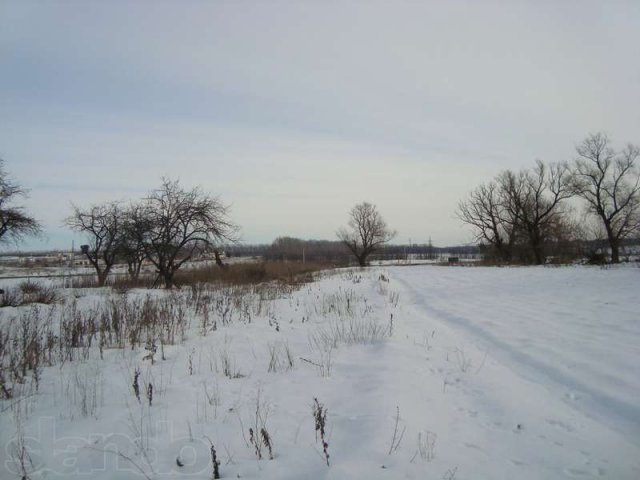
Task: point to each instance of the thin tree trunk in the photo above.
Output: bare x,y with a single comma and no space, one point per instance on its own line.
102,277
615,251
613,244
168,280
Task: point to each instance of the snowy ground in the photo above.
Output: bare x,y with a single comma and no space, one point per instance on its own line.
491,373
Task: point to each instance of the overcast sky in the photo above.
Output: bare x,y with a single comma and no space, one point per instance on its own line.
293,112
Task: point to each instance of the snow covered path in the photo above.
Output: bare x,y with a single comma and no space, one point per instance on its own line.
545,363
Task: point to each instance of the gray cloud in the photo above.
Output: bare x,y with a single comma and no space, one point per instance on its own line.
295,111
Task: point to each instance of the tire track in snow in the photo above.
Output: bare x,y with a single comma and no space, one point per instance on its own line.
619,415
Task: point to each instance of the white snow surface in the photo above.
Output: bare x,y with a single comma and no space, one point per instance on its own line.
493,373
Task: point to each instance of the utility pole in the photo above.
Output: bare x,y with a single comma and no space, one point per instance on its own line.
68,282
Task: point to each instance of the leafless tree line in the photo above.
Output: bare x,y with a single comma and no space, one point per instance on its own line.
519,215
167,228
297,249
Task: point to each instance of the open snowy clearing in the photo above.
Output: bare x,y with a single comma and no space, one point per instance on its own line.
425,371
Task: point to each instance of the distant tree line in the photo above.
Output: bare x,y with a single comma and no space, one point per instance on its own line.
528,216
295,249
335,252
587,207
426,251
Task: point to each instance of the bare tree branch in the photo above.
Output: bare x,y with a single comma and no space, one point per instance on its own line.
15,223
485,211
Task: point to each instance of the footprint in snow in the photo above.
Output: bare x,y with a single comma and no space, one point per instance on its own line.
560,424
581,472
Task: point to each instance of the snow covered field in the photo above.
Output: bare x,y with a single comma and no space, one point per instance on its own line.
426,372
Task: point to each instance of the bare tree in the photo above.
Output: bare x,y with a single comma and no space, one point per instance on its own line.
15,223
534,199
484,210
103,225
175,223
609,182
367,231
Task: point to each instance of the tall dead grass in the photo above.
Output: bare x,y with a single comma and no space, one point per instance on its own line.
249,273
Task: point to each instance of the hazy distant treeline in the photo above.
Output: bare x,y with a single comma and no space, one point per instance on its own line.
296,249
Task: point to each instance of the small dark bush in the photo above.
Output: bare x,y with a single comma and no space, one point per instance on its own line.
28,287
